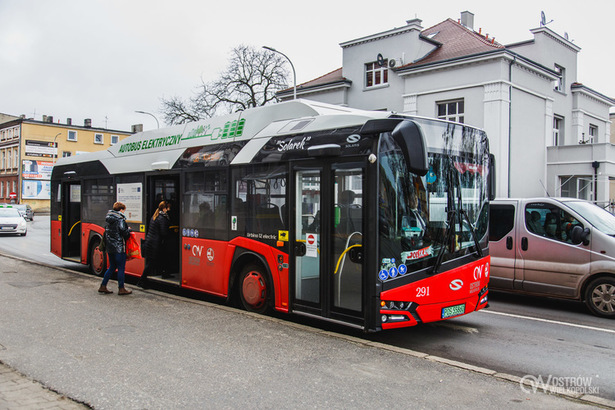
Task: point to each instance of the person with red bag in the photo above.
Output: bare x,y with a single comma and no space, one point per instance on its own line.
153,248
116,233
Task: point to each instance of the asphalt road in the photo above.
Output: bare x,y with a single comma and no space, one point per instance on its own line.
523,336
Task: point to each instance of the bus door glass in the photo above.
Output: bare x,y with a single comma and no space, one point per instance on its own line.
71,220
308,236
328,237
166,188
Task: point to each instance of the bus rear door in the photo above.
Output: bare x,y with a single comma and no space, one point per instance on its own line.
327,279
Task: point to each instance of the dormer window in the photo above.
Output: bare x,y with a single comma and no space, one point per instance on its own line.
376,74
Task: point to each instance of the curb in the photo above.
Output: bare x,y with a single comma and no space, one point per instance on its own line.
578,397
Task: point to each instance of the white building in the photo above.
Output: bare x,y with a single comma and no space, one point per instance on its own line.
549,133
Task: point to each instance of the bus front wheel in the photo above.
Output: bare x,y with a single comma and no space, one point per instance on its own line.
254,290
98,259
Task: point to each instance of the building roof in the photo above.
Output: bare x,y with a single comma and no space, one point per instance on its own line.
455,41
331,78
452,40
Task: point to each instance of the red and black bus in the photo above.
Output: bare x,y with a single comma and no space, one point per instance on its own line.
371,219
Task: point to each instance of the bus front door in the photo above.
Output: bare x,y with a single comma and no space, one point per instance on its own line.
327,244
71,221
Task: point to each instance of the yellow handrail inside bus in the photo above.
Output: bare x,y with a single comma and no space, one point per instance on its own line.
71,228
342,255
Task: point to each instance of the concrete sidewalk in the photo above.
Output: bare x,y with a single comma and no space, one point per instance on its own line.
19,392
152,350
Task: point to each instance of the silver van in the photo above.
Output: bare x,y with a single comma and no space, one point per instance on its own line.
559,247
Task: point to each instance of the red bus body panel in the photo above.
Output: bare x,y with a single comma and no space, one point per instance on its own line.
206,265
56,238
457,286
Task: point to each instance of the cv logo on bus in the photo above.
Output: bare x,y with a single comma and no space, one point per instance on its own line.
456,284
197,250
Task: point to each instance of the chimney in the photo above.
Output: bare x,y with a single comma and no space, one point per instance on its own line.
137,128
87,123
467,19
69,121
44,118
50,118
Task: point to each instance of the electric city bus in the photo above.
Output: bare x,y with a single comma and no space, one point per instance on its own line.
370,219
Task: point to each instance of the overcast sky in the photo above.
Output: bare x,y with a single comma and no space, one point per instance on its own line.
104,59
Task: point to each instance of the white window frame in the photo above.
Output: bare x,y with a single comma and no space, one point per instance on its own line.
593,133
1,189
558,130
68,135
99,138
115,139
371,72
457,114
560,83
66,154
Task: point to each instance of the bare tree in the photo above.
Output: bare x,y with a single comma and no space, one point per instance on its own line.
251,79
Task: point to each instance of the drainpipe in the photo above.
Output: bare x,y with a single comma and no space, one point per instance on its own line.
510,89
595,166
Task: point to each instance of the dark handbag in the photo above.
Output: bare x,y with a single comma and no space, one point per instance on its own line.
102,246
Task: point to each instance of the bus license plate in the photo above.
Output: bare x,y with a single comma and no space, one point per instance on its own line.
453,310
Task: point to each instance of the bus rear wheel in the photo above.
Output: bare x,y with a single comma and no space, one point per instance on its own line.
98,259
254,290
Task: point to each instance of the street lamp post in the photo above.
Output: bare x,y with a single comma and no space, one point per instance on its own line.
291,65
56,147
149,113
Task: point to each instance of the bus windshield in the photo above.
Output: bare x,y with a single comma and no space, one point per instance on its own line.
441,215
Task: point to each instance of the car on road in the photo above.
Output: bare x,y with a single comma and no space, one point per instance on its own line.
557,247
11,222
24,209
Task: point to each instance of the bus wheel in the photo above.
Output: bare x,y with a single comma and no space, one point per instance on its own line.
253,289
98,259
600,297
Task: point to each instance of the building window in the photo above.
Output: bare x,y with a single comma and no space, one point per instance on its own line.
65,153
72,135
577,187
593,133
115,139
560,83
15,160
558,130
376,74
98,139
3,159
451,110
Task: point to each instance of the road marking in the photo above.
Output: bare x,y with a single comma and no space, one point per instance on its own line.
557,322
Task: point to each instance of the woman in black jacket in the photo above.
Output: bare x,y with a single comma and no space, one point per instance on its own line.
116,233
153,248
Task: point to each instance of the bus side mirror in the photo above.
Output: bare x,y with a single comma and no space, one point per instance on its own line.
578,235
410,138
491,181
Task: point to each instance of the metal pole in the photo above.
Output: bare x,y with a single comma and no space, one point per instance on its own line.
291,65
149,113
54,145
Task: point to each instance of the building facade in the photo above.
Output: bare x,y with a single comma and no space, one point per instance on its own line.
29,149
551,135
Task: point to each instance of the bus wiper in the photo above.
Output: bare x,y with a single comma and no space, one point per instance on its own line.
479,250
448,235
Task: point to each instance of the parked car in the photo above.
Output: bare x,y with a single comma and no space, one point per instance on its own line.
11,221
24,209
559,247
